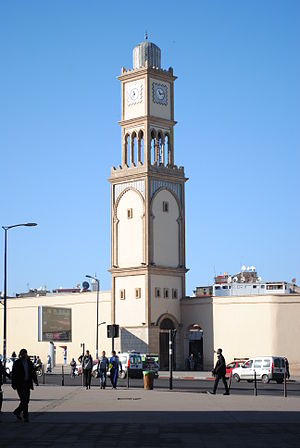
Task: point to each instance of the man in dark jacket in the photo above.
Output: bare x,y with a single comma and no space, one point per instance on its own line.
87,367
220,372
22,378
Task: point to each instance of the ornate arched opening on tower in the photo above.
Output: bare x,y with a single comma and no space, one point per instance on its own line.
165,326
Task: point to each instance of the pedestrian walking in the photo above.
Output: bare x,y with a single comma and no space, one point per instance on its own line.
87,366
73,367
192,361
115,366
102,369
65,356
49,367
22,378
220,373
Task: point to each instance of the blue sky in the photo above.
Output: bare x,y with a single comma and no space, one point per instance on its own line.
236,102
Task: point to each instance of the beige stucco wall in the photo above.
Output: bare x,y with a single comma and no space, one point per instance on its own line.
161,305
165,230
198,311
22,324
130,311
258,325
130,231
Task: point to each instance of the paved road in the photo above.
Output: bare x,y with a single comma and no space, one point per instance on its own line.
242,388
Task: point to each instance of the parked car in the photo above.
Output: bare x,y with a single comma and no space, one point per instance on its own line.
234,364
267,368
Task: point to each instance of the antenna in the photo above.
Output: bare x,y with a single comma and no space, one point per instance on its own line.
146,35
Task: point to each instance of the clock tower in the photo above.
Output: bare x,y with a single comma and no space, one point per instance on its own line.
147,211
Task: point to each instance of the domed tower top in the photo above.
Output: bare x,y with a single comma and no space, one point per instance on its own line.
146,52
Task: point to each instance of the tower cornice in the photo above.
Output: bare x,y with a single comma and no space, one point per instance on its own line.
164,75
147,119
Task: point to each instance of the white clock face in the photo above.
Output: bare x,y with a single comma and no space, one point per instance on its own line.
134,93
160,93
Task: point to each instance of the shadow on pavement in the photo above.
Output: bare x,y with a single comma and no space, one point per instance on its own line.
157,429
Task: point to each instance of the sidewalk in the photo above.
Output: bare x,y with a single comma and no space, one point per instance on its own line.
181,375
73,416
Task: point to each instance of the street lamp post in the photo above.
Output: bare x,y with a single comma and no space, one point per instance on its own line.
97,310
6,228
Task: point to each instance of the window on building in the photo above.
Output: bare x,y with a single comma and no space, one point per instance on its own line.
175,293
138,293
165,206
129,213
157,292
166,293
122,294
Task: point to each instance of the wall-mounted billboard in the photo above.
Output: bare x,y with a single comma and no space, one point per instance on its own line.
55,324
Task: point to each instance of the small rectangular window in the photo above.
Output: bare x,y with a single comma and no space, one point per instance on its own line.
165,206
157,292
122,294
138,293
175,293
129,213
166,293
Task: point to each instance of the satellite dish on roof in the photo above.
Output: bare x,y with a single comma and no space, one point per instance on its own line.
85,285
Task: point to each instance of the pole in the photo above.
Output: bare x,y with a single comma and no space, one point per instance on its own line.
170,360
255,384
5,304
62,376
128,367
97,318
112,337
83,348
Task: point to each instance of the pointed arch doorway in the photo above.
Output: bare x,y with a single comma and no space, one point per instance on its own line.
166,325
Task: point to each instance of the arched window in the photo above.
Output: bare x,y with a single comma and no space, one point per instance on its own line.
141,147
126,149
133,152
153,148
167,149
159,149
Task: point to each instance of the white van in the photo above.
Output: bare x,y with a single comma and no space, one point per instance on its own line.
133,360
267,368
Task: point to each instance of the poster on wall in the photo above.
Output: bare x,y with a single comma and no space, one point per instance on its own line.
54,324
